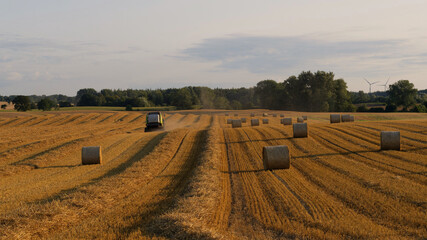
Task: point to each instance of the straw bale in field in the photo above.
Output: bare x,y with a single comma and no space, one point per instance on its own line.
243,120
282,115
345,118
351,118
390,140
227,114
229,121
300,130
265,121
304,117
91,155
276,157
287,121
265,114
236,114
335,118
252,114
236,123
300,119
254,122
274,115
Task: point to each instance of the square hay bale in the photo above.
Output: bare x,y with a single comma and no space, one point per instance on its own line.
351,118
243,120
282,115
276,157
335,118
236,114
390,140
300,119
252,114
236,124
265,121
265,114
274,115
229,121
254,122
300,130
227,114
304,117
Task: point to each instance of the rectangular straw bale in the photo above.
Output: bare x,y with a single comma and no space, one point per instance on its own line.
252,114
351,118
265,114
300,119
265,121
236,114
274,115
229,121
282,115
304,117
243,120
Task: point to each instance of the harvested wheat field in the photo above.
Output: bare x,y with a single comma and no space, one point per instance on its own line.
201,178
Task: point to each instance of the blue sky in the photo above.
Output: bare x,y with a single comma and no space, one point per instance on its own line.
50,47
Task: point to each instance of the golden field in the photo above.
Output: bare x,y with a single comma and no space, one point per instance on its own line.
202,179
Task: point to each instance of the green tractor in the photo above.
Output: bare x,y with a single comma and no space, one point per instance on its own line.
154,121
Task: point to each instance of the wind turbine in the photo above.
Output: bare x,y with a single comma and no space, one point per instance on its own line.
385,85
370,84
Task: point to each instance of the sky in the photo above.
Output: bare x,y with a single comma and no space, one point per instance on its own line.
58,46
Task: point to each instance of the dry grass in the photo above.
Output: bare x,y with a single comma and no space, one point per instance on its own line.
202,179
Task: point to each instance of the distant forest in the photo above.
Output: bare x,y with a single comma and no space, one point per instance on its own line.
309,91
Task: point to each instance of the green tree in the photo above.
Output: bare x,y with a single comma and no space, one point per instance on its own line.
182,99
84,91
88,99
402,93
46,104
340,100
22,103
221,103
267,92
206,96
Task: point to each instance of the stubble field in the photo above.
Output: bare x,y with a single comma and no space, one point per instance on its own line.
202,179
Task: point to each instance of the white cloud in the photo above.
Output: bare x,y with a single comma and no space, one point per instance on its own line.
14,76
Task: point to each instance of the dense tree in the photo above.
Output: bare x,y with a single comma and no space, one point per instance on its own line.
182,99
46,104
22,103
88,91
89,99
402,93
222,103
267,92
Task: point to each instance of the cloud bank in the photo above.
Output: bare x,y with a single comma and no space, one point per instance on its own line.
258,54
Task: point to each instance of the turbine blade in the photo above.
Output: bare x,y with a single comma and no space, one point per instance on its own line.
367,81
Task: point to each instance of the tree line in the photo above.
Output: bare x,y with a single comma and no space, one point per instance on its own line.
309,91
